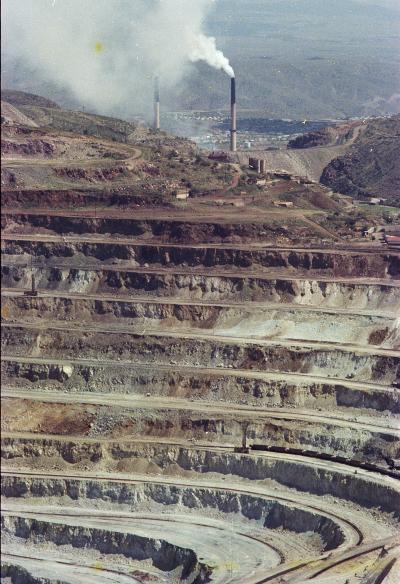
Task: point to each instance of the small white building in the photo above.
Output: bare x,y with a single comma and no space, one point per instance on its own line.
182,194
286,204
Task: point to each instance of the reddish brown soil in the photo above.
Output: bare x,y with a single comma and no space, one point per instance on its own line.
34,416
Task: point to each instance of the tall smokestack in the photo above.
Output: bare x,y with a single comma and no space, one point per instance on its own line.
156,103
233,115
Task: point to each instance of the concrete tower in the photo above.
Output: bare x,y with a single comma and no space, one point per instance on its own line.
233,115
156,103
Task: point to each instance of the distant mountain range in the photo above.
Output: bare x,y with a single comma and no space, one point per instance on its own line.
293,59
312,89
304,58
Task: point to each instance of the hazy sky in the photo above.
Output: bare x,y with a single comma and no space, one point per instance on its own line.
105,53
366,27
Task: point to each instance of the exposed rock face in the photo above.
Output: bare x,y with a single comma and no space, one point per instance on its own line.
78,198
30,148
92,175
359,444
383,265
304,477
306,292
7,177
161,554
195,384
217,320
271,514
158,230
14,573
190,394
331,136
154,350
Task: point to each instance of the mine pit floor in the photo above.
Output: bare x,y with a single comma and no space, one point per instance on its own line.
208,536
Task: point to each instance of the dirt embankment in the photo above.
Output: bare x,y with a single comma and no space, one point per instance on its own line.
330,136
64,199
241,321
310,153
229,387
310,263
171,231
206,288
308,162
79,419
13,115
92,175
127,456
153,350
29,148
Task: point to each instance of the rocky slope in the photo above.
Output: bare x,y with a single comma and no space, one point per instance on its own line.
371,167
188,394
331,136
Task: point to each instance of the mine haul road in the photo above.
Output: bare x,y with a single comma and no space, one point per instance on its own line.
186,369
266,274
214,447
41,325
252,555
203,214
131,298
337,250
67,569
211,408
57,162
354,535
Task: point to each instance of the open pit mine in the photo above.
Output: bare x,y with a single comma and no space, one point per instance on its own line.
190,392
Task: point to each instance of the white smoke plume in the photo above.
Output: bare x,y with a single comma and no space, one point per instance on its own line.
106,52
205,49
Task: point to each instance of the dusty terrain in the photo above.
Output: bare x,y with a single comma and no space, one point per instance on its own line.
159,339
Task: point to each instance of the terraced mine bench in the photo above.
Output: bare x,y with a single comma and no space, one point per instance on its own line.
185,400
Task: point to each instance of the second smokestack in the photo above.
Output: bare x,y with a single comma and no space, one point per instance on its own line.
233,115
157,103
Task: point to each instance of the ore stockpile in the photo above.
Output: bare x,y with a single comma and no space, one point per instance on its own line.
186,401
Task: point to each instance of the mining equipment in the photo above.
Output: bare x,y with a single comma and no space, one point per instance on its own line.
32,291
243,449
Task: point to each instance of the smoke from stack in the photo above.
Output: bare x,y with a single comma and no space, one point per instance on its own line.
103,53
205,49
156,103
233,116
